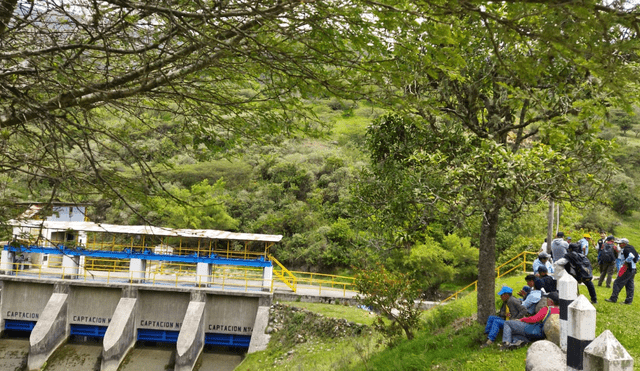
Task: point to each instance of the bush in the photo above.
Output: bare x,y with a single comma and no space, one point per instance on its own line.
393,296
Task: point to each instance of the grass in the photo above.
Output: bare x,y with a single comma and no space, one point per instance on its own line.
449,340
351,314
630,229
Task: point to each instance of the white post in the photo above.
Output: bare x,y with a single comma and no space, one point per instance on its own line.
203,274
137,270
70,266
567,290
267,276
606,353
81,263
582,331
6,262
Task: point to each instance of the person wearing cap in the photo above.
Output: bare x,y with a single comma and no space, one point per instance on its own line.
542,261
534,297
511,309
627,273
513,334
559,246
607,260
584,243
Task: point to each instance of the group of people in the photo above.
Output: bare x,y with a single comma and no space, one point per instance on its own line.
616,258
539,298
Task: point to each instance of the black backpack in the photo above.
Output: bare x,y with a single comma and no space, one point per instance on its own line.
607,255
579,267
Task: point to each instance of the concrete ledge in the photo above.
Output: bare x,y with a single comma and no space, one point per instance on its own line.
259,339
289,296
121,334
50,331
139,286
191,337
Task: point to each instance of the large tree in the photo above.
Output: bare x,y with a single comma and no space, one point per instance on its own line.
498,108
79,79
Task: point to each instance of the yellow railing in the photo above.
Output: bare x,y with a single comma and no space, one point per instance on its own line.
523,264
325,282
283,274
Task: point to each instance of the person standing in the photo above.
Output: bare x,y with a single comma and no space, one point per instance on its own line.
607,260
600,244
544,247
559,247
579,266
626,274
584,243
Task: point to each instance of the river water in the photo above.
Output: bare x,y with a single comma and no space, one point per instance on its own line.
85,356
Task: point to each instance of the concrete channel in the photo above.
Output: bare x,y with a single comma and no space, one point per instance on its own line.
84,355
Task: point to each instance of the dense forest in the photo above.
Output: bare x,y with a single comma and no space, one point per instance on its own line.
309,189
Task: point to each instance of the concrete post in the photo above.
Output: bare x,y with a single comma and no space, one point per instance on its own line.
606,353
70,266
582,331
567,290
203,274
137,270
259,339
191,338
267,277
81,265
6,262
121,334
50,331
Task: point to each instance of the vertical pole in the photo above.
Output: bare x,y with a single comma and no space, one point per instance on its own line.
550,233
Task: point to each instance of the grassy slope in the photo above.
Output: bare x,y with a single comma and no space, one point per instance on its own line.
450,340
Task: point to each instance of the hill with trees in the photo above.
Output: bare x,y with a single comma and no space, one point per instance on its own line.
253,116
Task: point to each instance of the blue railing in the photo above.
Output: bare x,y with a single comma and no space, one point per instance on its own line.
144,255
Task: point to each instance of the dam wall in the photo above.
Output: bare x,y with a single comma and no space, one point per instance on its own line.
122,314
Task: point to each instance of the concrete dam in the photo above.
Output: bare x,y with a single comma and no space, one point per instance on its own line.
119,315
184,291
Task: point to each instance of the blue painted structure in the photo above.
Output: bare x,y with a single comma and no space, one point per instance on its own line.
240,341
12,324
87,330
144,255
160,336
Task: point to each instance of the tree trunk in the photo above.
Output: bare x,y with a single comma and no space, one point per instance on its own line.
487,265
550,225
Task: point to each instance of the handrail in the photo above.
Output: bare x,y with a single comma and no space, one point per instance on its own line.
283,274
523,264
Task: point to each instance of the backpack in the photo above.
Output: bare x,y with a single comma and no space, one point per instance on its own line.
580,267
607,255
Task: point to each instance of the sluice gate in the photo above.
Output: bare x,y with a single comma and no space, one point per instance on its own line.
119,315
